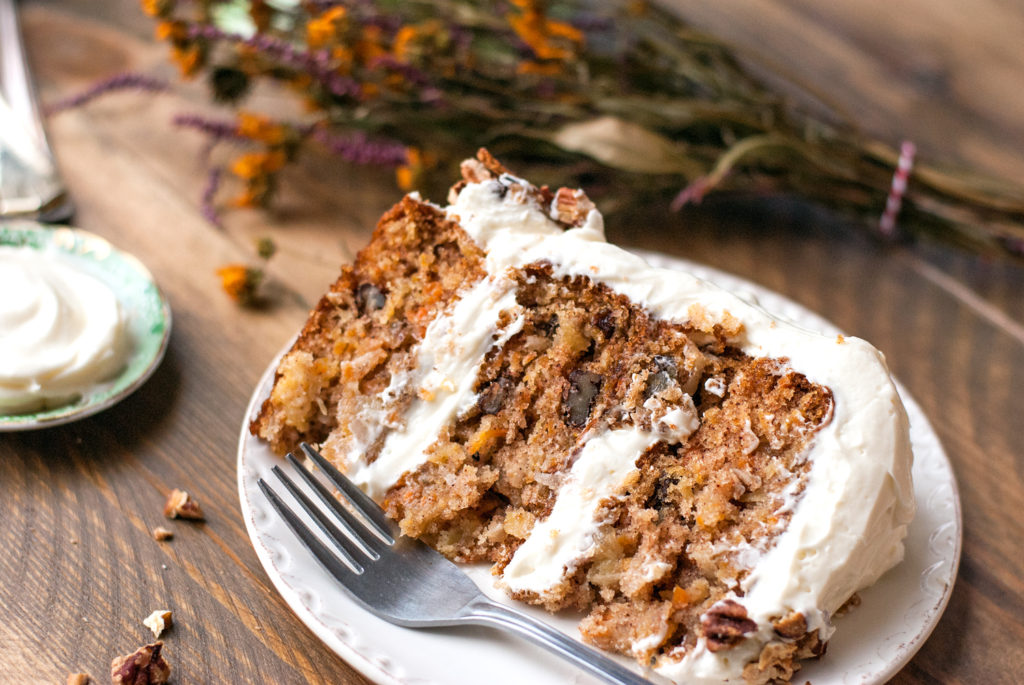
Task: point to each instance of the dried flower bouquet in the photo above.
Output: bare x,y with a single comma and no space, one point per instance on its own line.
623,94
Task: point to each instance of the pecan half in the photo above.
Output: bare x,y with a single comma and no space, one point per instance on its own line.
181,505
725,624
571,207
144,666
490,162
483,168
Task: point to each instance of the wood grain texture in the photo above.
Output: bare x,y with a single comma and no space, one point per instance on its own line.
79,569
945,75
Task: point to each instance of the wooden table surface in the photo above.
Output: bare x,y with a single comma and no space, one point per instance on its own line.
79,569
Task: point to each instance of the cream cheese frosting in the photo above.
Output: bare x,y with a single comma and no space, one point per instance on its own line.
61,330
847,524
449,354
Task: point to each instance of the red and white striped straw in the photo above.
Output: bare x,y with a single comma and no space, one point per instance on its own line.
887,224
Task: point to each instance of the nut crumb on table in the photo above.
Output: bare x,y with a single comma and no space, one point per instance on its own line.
158,621
160,534
144,666
78,679
180,504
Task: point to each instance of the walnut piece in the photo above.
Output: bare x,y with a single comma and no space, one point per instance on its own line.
725,624
370,298
181,505
160,534
578,397
792,626
776,664
493,396
78,679
144,666
158,621
851,603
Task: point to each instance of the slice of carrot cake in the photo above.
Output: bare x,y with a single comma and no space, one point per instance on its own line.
707,483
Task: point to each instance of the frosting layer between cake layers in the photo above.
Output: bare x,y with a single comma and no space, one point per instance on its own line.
846,526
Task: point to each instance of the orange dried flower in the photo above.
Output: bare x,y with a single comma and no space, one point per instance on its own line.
248,166
167,30
539,68
189,58
369,44
343,56
406,40
403,40
155,8
325,28
537,31
561,29
240,282
368,91
407,175
253,196
405,178
260,128
256,164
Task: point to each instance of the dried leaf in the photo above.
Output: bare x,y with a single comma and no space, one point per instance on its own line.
624,145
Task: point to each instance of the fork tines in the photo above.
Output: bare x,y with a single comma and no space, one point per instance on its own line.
364,535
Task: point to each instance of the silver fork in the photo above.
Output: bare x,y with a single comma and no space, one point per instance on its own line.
403,581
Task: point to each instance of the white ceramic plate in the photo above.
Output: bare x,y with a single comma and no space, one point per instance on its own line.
871,643
148,317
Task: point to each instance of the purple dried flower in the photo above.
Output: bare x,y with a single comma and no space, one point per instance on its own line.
385,23
1014,245
357,148
589,22
311,62
208,209
415,76
461,38
692,194
124,81
217,130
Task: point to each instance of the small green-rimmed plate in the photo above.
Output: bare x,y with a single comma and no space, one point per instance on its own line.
147,317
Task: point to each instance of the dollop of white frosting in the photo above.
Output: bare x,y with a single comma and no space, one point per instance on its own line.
61,330
448,359
605,461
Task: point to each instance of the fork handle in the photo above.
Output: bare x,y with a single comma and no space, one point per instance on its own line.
485,612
